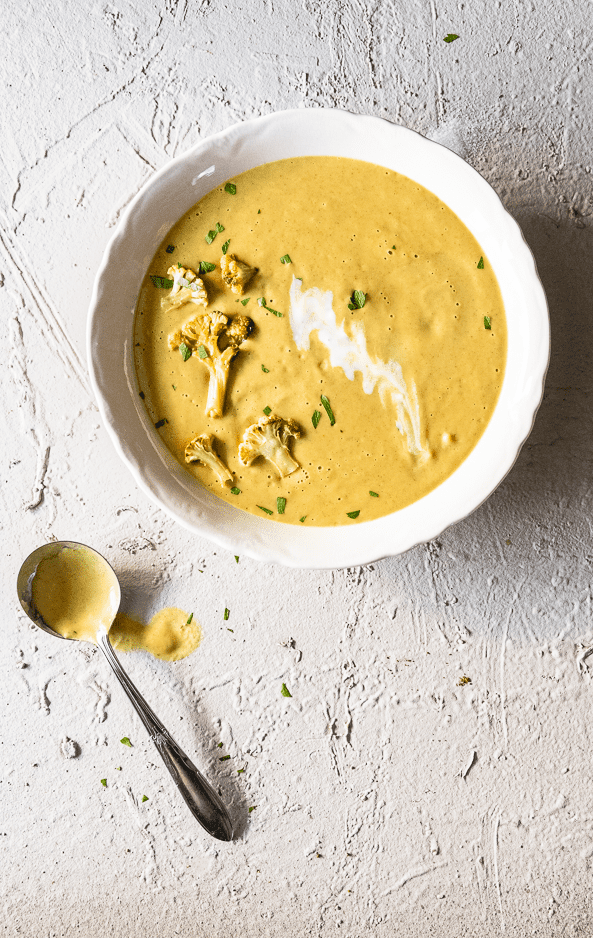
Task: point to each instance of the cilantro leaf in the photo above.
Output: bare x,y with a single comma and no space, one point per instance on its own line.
230,188
302,519
316,418
211,236
267,411
281,505
185,351
267,510
481,264
285,260
163,283
353,514
227,613
285,691
236,558
190,618
487,322
235,490
374,494
357,300
328,410
170,248
224,758
205,267
265,370
219,227
104,782
225,246
126,741
245,301
203,351
144,798
451,37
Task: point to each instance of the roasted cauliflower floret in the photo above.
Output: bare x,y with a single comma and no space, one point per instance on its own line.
187,288
235,273
200,337
269,438
201,450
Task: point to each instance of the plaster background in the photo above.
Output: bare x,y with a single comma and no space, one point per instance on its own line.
389,799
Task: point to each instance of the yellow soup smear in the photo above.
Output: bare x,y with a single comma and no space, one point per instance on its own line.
170,635
370,297
76,593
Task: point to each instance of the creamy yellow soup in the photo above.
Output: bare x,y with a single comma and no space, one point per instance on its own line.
378,327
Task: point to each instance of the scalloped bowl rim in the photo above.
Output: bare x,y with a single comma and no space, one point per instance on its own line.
171,191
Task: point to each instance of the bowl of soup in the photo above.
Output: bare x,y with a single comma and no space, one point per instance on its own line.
318,339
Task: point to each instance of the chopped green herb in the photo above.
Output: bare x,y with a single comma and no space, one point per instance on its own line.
316,418
252,808
267,411
170,248
357,300
239,771
281,505
161,423
265,370
142,395
267,510
179,265
227,613
144,798
163,283
230,188
236,559
302,519
259,211
393,247
104,782
190,618
481,264
118,768
328,409
205,267
451,37
353,514
285,691
262,302
487,322
235,490
219,227
126,741
225,246
285,260
174,386
185,351
245,301
374,494
224,758
231,630
463,681
219,745
202,351
211,236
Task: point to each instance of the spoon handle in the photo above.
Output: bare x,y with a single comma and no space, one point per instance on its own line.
201,799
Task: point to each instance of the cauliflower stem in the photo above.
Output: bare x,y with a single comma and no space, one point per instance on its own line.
201,335
269,438
201,450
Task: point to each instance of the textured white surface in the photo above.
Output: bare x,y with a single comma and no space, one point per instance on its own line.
389,799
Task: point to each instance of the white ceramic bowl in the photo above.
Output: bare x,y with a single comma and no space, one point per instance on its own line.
168,195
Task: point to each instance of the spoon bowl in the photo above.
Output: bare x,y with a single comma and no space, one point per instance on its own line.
203,802
24,583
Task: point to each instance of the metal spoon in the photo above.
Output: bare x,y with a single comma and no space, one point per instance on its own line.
201,799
